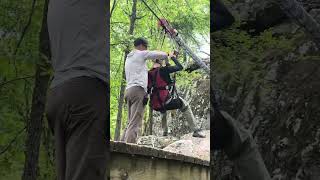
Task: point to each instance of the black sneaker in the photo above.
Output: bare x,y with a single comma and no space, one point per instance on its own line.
198,134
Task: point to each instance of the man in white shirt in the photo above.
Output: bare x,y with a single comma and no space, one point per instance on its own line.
137,81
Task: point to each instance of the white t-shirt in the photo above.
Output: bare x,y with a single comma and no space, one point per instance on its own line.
136,67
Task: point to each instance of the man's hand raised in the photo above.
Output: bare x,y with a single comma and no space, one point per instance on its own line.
172,54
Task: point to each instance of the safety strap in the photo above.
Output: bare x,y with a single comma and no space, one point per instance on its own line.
174,85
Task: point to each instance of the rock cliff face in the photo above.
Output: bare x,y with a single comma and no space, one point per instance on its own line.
282,112
197,95
281,106
180,138
259,15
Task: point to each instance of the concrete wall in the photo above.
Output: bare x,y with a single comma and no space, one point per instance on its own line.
132,162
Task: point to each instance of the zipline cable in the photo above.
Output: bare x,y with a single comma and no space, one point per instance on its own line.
158,9
151,10
173,35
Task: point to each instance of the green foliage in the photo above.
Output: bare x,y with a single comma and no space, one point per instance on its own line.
240,57
16,84
190,18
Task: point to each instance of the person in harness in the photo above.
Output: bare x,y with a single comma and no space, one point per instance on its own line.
164,96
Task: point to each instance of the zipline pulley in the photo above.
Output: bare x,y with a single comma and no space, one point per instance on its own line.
173,34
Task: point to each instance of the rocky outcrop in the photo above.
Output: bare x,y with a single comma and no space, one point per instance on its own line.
180,138
185,145
197,95
282,110
279,101
258,15
190,146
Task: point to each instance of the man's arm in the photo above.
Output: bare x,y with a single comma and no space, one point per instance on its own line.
155,55
175,68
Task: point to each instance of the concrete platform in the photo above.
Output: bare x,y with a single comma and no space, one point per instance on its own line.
133,162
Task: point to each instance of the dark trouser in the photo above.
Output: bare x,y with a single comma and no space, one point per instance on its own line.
188,114
134,97
77,115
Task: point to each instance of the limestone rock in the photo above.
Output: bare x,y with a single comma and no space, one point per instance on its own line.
190,146
197,95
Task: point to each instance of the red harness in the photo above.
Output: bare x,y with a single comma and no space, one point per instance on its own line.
159,90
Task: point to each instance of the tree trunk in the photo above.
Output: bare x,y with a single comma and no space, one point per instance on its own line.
34,124
150,120
120,103
297,13
133,19
148,123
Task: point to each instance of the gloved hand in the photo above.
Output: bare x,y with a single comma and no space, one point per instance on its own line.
172,55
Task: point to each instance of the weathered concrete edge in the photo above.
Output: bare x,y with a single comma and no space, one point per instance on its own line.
133,149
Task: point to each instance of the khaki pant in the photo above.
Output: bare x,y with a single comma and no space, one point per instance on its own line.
187,113
77,115
134,97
